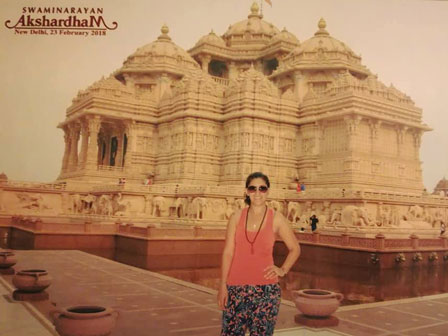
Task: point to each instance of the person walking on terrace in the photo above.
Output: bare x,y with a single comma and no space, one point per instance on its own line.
249,293
314,220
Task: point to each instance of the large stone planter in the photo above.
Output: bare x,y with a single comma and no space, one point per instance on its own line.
7,259
84,321
31,281
317,302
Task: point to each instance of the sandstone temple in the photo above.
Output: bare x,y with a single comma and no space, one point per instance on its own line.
169,138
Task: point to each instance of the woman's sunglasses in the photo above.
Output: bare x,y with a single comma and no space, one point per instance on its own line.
252,189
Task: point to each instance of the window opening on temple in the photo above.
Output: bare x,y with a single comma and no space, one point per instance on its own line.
113,150
218,69
270,66
125,146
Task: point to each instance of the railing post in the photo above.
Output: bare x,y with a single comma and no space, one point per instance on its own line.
414,241
380,241
345,239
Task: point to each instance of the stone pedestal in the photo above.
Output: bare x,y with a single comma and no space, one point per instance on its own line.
19,295
316,322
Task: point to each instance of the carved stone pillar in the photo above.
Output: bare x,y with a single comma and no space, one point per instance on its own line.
120,147
94,125
401,131
84,143
66,156
233,71
205,61
299,86
74,137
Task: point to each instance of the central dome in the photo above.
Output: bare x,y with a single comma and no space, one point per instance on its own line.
250,31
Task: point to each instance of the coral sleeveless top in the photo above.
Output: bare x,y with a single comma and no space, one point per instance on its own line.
249,261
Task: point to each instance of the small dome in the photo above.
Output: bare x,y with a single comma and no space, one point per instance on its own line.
212,39
286,36
322,41
254,28
442,185
158,53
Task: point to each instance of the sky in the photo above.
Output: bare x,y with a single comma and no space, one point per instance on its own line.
404,42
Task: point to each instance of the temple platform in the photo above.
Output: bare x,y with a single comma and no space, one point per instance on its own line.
166,306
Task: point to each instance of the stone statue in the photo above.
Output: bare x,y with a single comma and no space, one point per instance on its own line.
352,215
158,206
105,205
294,211
181,205
119,206
197,207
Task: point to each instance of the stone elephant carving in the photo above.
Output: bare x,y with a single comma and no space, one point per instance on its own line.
197,207
181,207
76,203
355,216
294,211
158,206
415,212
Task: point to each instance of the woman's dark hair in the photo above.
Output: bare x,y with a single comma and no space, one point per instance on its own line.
254,176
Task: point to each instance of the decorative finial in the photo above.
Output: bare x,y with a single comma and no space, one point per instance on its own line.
254,8
322,25
165,30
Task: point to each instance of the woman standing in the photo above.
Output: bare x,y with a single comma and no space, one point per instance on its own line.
249,293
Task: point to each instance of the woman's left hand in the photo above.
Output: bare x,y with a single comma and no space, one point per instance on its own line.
271,272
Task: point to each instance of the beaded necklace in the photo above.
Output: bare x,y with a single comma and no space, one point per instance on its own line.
259,228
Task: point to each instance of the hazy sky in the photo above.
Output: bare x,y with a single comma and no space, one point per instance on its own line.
405,42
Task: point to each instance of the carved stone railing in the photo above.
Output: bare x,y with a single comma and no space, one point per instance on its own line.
222,81
111,168
34,185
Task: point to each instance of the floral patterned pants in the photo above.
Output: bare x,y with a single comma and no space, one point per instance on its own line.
251,307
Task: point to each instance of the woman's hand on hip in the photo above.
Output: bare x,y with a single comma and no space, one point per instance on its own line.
272,271
222,297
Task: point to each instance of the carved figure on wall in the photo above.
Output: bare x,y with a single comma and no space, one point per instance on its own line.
32,201
181,206
395,216
336,216
119,206
76,201
197,207
276,205
352,215
239,202
437,218
230,208
384,215
105,205
148,204
158,206
294,211
415,212
89,204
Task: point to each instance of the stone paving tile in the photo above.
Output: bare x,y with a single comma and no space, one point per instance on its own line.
151,304
432,309
350,328
440,329
385,319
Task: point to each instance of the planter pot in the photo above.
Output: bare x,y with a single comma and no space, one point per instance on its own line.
7,259
84,321
317,302
31,281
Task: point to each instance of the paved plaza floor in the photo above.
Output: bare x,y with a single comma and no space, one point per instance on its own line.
152,304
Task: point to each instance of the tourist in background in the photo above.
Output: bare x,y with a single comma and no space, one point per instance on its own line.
249,293
314,220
